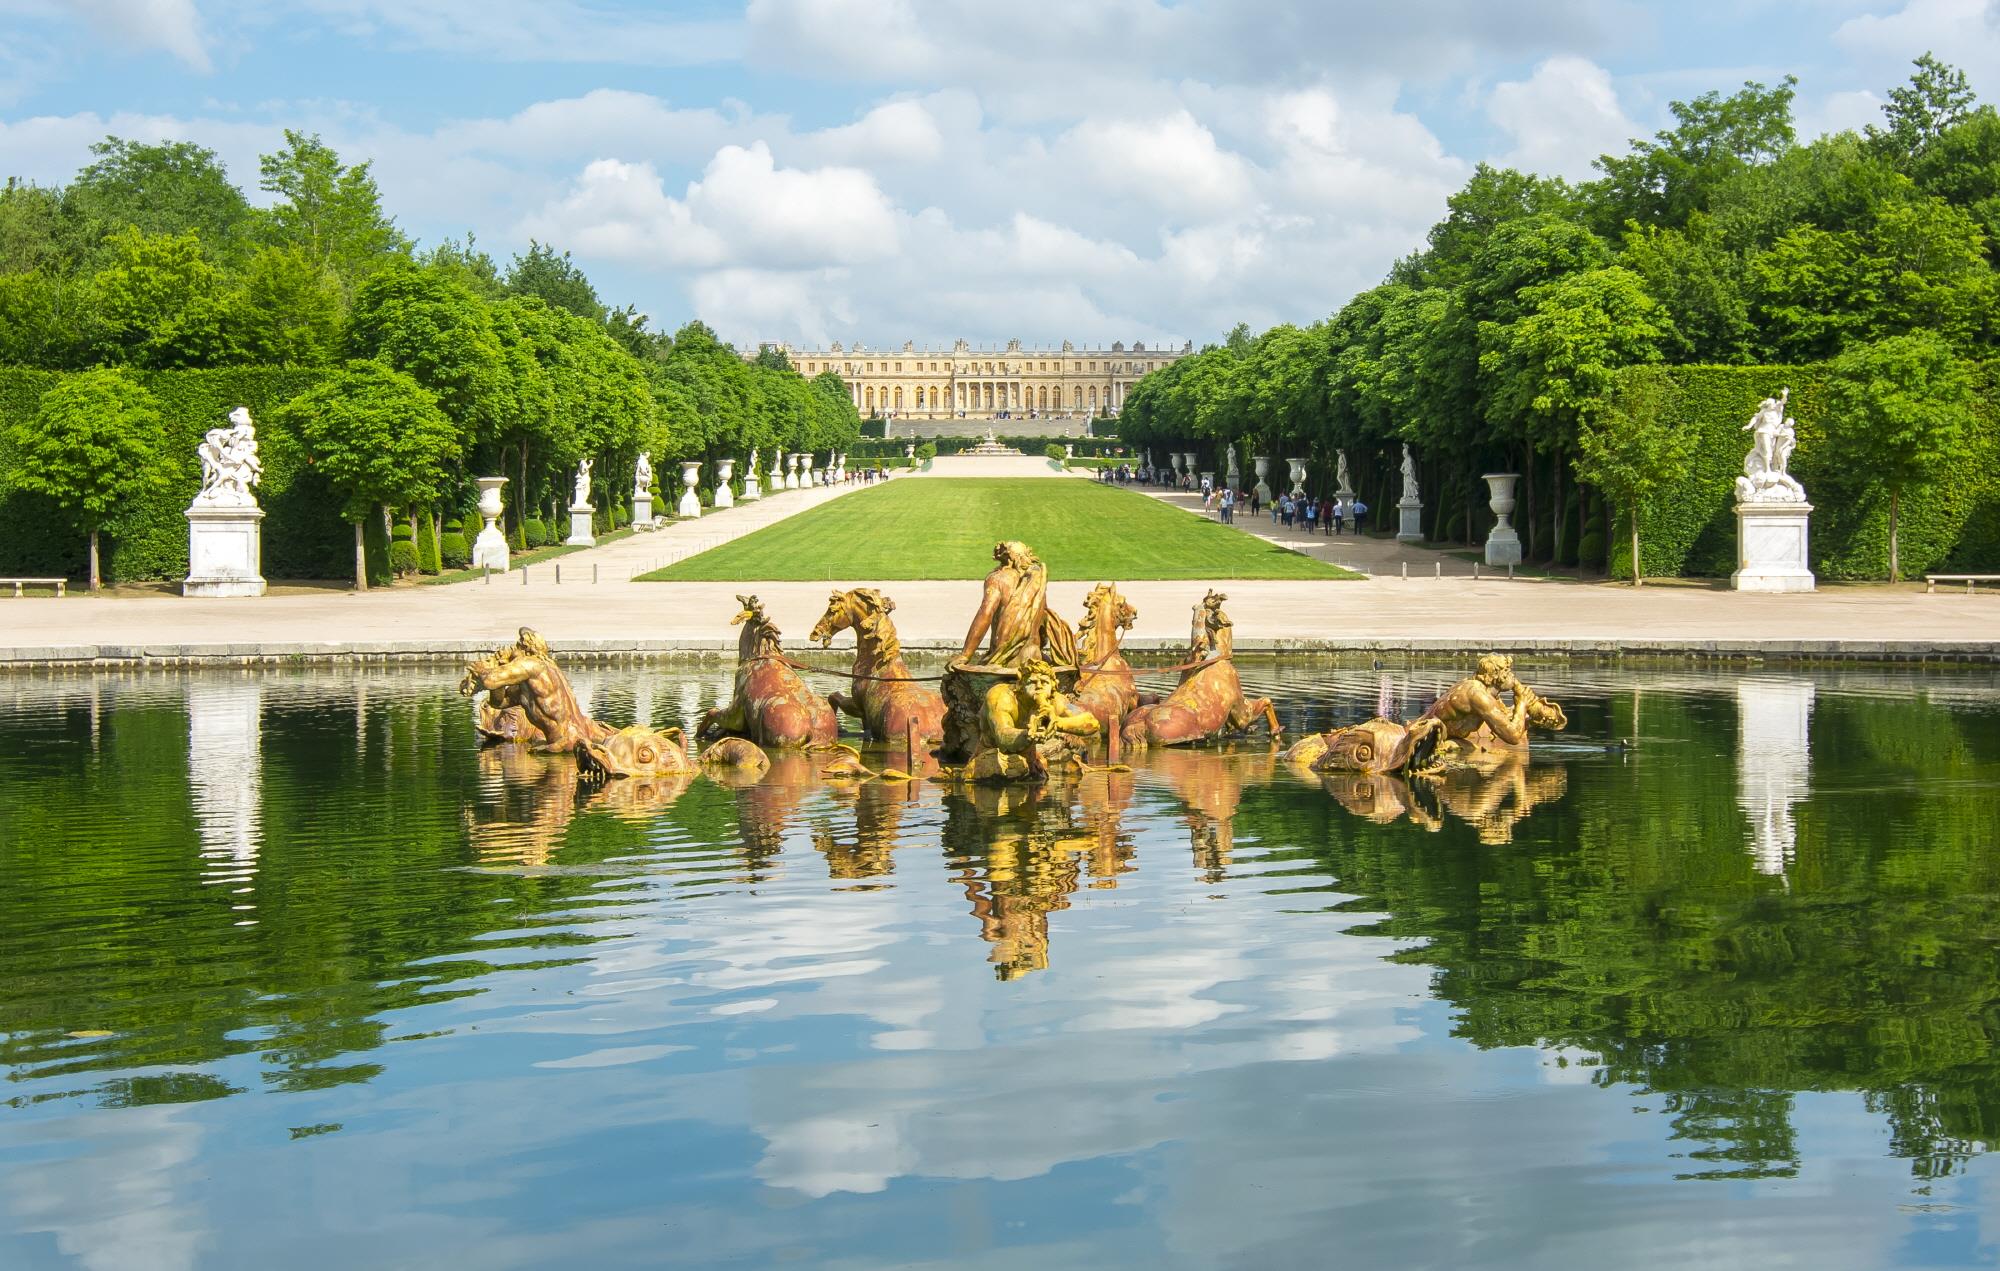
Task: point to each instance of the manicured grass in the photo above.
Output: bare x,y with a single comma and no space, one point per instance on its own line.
947,528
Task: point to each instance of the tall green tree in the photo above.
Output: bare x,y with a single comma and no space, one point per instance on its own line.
1936,99
1897,411
160,302
379,438
90,448
1629,451
167,187
330,210
1668,179
556,280
289,309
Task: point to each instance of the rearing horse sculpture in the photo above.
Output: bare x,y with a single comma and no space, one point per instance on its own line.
1105,688
1209,699
889,703
772,706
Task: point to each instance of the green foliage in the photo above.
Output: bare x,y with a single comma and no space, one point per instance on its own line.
429,558
534,533
555,280
1633,451
376,435
928,450
166,188
1054,452
45,320
1898,414
289,309
159,302
454,550
424,323
402,532
88,447
329,210
402,558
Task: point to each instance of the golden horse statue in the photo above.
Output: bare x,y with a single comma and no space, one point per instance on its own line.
889,702
1209,700
772,706
1105,687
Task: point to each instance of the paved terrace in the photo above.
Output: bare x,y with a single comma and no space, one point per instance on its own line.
1385,612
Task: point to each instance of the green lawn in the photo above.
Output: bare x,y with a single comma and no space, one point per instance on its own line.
947,528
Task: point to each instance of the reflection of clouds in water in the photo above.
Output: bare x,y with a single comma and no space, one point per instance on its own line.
108,1188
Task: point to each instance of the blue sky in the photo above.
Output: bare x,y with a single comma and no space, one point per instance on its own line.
882,170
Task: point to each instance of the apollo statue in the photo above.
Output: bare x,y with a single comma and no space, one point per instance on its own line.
1773,437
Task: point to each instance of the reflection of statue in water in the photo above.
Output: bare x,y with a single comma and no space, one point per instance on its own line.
528,698
1210,784
1027,727
1773,438
878,816
1015,850
1470,717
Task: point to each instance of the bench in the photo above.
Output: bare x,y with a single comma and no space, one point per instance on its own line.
1930,581
60,584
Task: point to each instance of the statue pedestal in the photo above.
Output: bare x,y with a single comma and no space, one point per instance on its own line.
1771,547
642,508
1411,514
225,552
490,550
579,527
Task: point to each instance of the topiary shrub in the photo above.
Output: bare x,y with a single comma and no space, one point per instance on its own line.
1054,452
400,532
536,534
428,559
402,557
470,525
1590,550
453,550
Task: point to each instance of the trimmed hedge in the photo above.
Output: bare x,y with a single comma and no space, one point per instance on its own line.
1691,528
304,536
454,551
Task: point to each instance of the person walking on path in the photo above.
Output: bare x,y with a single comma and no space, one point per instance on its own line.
1312,511
1228,506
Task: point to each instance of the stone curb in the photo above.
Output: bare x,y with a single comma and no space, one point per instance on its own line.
32,657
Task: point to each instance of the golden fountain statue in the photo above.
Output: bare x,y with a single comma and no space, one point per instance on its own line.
529,699
1209,700
1027,729
1017,626
772,706
1468,719
888,701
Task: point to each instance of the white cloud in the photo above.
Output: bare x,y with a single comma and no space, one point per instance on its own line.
172,25
1560,118
1965,33
1172,162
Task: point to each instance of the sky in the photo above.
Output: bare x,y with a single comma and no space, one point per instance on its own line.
929,170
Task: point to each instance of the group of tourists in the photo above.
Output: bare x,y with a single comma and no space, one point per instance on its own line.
1303,512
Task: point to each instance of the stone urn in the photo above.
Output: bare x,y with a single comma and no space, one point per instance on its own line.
489,550
777,471
1298,467
690,505
725,470
1503,545
798,480
1261,465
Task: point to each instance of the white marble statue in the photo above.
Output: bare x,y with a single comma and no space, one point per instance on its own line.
642,476
1341,483
1773,437
229,464
1409,475
582,496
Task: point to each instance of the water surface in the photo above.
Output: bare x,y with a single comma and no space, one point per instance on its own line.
291,974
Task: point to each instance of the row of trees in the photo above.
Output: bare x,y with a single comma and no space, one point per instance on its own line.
1721,240
439,363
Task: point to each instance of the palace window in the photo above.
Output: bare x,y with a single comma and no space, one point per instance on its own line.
899,368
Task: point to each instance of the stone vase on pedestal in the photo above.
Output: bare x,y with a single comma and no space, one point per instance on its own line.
1503,545
725,471
489,550
777,472
1298,467
225,551
690,505
1771,547
793,480
1261,465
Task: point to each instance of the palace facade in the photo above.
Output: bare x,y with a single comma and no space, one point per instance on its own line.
967,383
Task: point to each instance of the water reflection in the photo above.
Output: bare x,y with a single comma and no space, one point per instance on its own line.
887,1023
1773,759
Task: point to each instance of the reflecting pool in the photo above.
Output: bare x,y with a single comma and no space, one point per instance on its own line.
291,974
